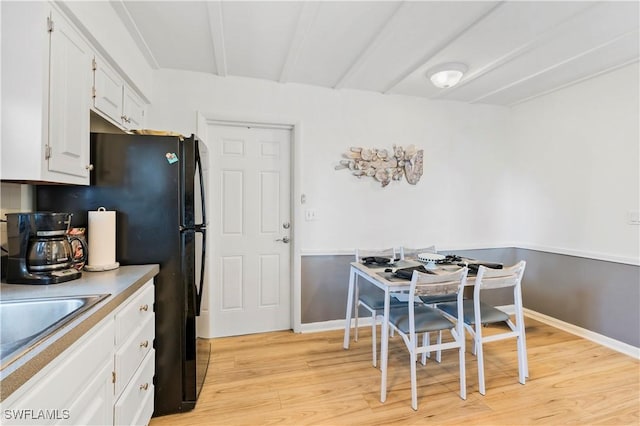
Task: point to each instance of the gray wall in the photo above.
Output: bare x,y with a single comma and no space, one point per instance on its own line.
600,296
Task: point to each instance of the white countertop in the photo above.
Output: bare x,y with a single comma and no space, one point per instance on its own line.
119,283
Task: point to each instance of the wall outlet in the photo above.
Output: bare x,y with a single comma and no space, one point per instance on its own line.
310,215
634,217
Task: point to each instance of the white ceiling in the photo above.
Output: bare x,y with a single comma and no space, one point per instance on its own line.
514,50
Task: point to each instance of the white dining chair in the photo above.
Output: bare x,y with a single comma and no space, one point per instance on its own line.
416,318
371,298
477,313
410,253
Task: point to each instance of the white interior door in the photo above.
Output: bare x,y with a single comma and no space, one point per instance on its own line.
250,229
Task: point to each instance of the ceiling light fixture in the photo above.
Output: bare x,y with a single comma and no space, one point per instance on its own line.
446,75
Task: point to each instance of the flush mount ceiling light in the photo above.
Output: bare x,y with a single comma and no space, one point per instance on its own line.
446,75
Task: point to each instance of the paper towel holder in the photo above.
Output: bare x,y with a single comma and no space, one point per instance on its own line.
103,267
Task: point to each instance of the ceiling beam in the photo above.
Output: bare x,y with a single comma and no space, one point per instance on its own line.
515,53
361,60
634,34
121,10
216,30
303,27
424,59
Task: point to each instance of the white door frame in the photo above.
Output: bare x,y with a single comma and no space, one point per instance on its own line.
203,120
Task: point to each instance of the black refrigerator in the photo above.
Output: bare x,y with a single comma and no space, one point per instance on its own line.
156,185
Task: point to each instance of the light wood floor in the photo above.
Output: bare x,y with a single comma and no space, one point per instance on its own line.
308,379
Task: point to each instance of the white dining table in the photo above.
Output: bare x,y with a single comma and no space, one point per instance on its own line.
386,281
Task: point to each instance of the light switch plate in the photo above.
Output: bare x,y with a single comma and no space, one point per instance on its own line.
634,217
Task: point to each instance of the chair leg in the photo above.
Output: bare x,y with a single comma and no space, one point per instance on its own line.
426,341
480,358
414,386
522,359
439,351
463,374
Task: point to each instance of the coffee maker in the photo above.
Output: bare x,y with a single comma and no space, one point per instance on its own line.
40,250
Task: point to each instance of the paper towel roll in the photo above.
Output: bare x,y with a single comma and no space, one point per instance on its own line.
102,240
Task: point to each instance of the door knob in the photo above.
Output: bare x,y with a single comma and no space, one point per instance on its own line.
284,239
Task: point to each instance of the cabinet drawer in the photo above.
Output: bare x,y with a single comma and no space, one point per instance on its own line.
132,316
135,405
132,352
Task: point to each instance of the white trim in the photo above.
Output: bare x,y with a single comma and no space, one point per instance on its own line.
315,327
608,342
581,253
441,249
505,245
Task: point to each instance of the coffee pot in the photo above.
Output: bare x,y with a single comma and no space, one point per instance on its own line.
40,251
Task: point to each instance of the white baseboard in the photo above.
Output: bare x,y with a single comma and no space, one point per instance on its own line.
315,327
608,342
616,345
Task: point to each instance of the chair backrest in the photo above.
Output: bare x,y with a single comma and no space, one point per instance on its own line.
412,253
509,276
437,284
390,252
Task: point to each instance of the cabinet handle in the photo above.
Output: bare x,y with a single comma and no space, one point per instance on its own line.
144,387
144,307
144,344
125,119
89,167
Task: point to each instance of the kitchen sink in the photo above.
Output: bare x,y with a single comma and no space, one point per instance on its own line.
25,323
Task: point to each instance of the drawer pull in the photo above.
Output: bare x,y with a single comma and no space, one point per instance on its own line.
144,387
144,344
144,307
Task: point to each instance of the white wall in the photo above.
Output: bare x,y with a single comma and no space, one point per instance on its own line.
462,199
577,173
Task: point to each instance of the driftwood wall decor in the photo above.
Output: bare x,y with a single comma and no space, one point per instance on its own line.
384,166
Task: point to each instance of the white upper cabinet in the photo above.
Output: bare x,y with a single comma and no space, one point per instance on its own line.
107,90
114,99
46,96
69,100
52,77
133,110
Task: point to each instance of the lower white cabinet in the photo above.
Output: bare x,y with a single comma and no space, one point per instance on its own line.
105,378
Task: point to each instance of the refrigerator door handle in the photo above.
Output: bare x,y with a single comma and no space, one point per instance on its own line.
199,286
202,187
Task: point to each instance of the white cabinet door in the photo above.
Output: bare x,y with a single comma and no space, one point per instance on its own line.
75,388
132,111
94,403
108,89
70,78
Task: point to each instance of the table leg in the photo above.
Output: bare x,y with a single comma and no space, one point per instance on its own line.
347,320
384,347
